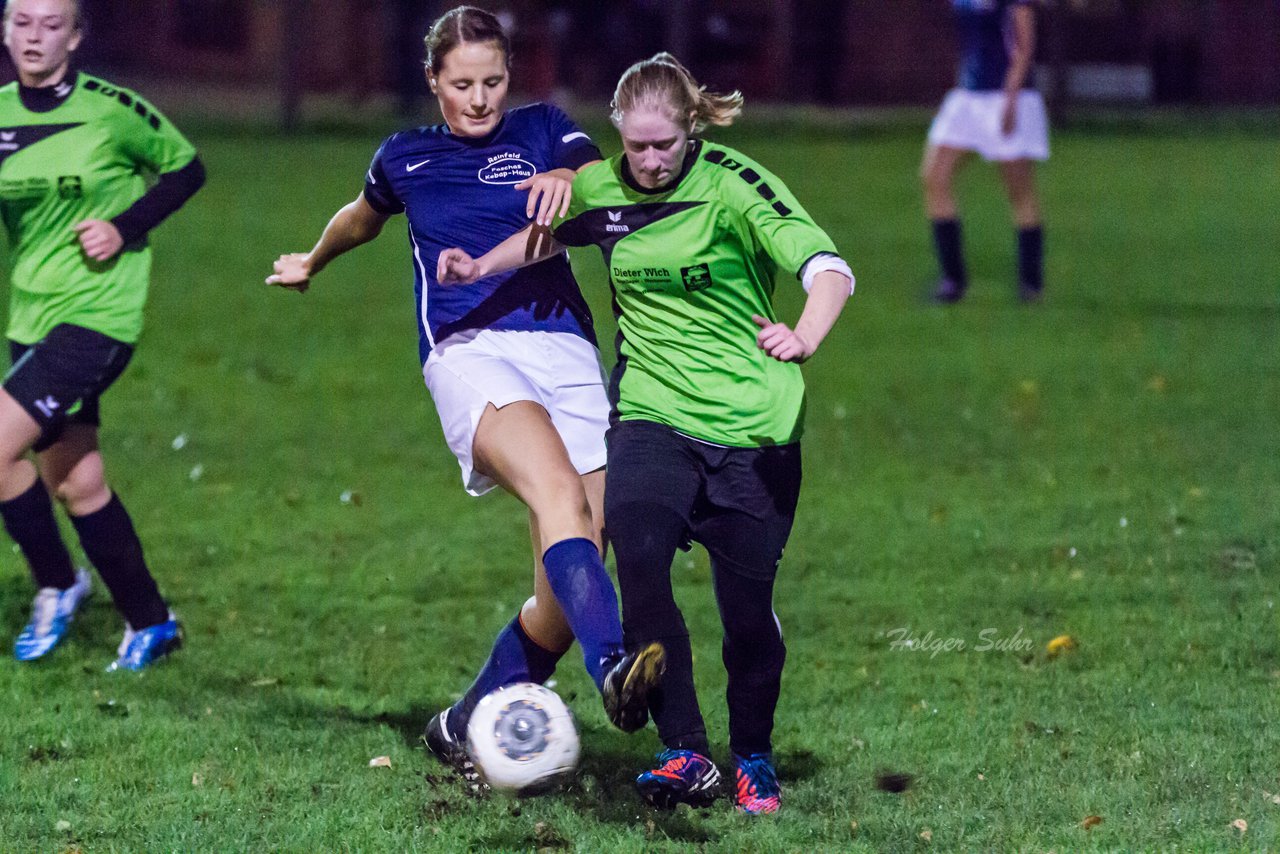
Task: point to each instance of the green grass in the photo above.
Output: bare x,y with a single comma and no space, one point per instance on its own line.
1103,465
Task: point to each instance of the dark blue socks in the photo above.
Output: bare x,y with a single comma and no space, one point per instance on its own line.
515,657
946,242
585,593
1031,258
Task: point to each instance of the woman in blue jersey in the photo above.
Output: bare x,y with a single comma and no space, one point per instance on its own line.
512,365
996,112
73,151
708,400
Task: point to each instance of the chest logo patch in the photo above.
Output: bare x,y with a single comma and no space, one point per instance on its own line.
70,187
696,278
614,223
508,168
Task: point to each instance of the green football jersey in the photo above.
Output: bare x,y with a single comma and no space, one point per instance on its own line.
689,265
87,158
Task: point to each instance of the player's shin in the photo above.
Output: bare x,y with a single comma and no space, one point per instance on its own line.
112,546
585,592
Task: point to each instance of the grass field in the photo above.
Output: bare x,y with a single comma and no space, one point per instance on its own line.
1104,465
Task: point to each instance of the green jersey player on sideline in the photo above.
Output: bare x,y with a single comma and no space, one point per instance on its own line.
708,400
73,153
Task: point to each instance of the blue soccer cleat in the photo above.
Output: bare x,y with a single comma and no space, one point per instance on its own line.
147,646
51,614
757,790
682,777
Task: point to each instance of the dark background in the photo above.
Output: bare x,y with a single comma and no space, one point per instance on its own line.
831,52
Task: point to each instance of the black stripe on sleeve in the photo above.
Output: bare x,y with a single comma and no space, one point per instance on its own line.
171,191
581,155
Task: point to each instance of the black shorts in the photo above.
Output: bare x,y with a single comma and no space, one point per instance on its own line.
719,492
58,380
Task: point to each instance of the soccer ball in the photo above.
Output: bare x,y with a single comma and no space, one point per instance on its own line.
522,739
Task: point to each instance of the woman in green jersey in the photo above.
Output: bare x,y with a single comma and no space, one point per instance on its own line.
73,152
707,398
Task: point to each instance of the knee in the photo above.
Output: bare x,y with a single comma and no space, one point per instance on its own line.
545,623
934,180
558,499
83,487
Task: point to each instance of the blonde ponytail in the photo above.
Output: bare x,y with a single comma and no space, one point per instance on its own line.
661,82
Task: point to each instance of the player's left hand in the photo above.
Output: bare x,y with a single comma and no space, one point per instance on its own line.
1009,116
780,341
100,240
549,195
456,267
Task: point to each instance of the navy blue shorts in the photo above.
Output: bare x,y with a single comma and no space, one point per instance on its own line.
59,379
738,503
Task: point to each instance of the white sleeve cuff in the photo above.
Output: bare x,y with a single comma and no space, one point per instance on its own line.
821,264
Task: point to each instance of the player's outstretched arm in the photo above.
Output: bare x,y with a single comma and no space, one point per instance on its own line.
353,225
1021,57
525,247
826,300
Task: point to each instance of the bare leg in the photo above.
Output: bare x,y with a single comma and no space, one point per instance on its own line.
73,471
938,169
937,175
24,501
18,432
1019,177
541,615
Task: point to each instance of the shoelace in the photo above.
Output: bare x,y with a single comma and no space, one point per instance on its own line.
44,609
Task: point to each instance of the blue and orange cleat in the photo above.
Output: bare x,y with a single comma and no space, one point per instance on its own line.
757,790
51,615
144,647
682,777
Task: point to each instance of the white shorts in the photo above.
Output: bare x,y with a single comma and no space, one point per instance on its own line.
970,121
559,371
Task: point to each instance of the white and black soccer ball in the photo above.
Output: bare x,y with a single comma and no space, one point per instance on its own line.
522,739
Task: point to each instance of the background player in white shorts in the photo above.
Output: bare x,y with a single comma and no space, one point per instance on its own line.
512,364
996,112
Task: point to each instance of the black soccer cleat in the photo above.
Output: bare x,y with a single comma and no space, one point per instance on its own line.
628,683
452,752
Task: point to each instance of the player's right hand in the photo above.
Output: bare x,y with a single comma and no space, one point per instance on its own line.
292,271
456,267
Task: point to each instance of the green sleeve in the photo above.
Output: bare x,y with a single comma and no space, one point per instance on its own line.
151,140
777,220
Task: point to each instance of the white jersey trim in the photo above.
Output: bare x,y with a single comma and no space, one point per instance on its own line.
823,263
422,307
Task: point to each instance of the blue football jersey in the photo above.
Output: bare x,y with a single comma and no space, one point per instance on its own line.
460,191
984,42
